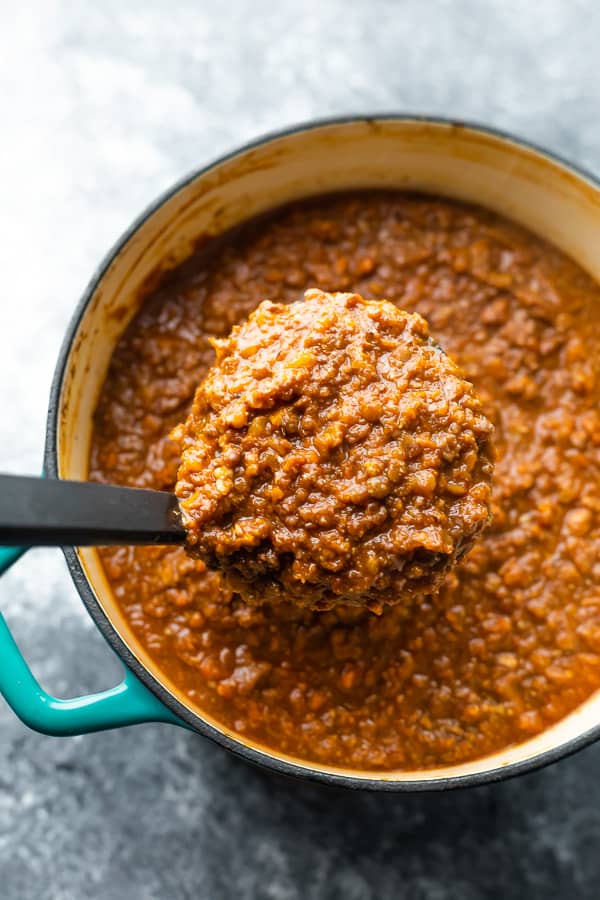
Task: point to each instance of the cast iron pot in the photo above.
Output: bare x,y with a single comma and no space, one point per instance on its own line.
468,162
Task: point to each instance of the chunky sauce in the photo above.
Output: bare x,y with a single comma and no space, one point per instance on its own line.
512,642
333,455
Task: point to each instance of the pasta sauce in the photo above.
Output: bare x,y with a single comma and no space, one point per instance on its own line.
511,643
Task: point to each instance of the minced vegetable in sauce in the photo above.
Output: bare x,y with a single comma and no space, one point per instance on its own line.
512,642
333,454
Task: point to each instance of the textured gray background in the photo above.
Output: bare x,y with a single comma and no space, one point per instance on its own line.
101,107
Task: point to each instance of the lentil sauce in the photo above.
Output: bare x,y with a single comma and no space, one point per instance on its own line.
511,643
333,454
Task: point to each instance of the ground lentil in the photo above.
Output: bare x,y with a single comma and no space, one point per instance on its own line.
512,642
333,454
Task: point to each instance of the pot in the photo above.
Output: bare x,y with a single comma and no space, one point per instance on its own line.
545,194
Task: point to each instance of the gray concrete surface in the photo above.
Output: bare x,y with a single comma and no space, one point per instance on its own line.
101,107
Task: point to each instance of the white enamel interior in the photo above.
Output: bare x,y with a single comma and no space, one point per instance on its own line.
455,161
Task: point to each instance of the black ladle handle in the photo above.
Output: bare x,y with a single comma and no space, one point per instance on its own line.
50,512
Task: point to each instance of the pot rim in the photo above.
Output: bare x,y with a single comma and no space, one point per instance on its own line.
263,758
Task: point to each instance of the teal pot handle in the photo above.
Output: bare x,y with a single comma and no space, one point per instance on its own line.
129,703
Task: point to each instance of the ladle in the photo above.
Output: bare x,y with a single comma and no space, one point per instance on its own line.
51,512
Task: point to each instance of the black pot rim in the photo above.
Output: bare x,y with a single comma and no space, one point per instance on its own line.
262,758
